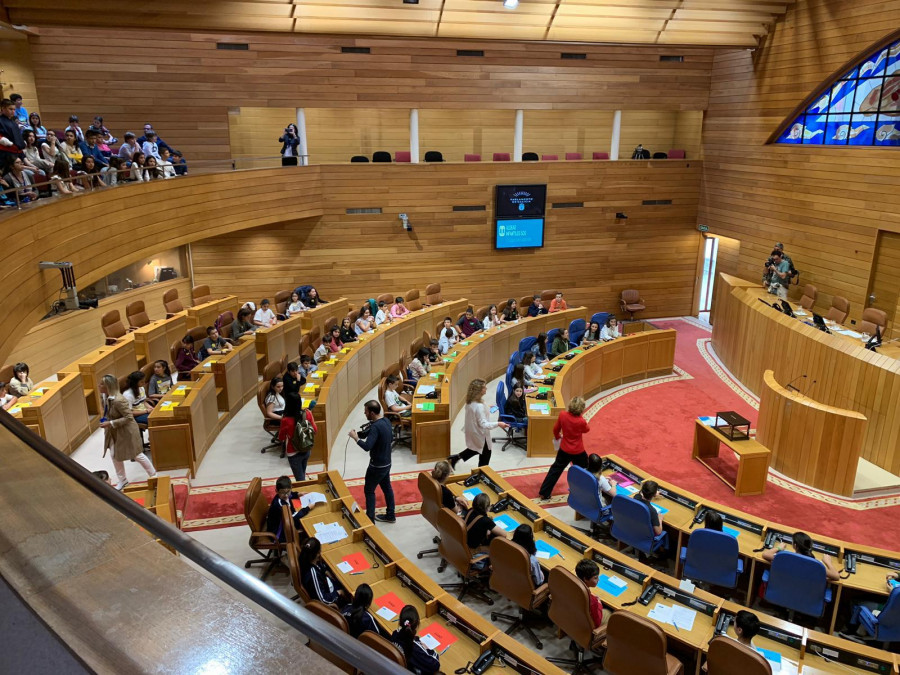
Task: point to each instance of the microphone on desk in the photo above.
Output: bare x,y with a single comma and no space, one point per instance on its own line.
790,385
811,387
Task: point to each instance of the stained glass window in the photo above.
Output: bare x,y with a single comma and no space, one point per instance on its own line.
860,108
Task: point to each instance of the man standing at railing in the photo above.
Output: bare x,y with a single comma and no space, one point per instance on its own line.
11,141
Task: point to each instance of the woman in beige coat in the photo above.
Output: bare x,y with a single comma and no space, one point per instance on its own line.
121,432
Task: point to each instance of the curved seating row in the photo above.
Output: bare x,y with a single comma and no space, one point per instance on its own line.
374,560
624,579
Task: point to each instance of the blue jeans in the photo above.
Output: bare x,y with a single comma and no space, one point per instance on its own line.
382,478
298,464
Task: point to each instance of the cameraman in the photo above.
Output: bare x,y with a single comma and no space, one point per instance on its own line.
780,248
779,273
290,144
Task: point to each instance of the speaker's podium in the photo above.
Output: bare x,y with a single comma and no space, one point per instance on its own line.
813,443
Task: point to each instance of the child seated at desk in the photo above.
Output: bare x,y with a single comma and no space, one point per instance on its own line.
516,404
186,359
560,343
646,494
160,381
296,305
307,366
532,370
264,316
395,404
605,486
746,626
21,384
480,527
589,573
398,309
243,325
274,400
610,331
448,339
347,332
359,619
524,537
214,343
315,577
334,340
804,546
420,365
521,379
434,351
712,521
284,496
591,335
7,400
458,505
322,350
492,319
135,394
419,659
365,323
383,315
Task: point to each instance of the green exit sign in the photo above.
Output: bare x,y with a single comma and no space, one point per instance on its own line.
703,228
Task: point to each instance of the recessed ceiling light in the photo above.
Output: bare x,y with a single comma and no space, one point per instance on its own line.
510,4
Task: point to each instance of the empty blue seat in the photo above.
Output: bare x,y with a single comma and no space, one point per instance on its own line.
633,527
584,497
576,331
551,336
712,557
886,626
798,583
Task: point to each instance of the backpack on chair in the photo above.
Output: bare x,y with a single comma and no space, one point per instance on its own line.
304,436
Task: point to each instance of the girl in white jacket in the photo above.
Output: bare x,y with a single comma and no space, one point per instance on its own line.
478,426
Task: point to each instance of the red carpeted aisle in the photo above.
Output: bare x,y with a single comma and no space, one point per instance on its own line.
652,427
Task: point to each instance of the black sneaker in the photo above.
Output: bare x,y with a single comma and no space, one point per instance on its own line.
385,519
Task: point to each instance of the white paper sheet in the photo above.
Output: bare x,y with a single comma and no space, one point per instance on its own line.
617,582
386,614
683,617
345,567
430,642
542,555
311,498
661,613
425,389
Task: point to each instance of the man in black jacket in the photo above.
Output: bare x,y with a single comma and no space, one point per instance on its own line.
11,143
376,440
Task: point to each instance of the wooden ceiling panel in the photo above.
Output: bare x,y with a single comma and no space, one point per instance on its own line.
738,23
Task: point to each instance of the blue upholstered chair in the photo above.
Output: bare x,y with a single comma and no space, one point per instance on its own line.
585,500
712,557
576,331
798,583
601,318
886,626
633,527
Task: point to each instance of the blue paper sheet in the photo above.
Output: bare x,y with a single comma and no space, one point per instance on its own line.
607,586
774,658
471,492
546,548
730,530
506,522
632,489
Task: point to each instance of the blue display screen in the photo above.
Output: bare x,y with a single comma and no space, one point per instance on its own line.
519,233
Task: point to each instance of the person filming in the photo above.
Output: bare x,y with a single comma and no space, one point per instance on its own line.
290,146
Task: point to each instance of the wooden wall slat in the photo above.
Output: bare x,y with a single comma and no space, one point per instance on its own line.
187,86
825,203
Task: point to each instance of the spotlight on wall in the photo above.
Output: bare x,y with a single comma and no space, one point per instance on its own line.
510,4
405,220
621,216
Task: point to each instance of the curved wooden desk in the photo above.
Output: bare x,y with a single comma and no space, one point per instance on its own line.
750,338
632,357
358,369
485,355
814,443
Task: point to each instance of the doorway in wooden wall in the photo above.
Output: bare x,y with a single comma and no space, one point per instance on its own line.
718,254
884,280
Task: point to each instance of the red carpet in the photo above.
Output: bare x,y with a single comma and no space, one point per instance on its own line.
213,506
660,423
659,420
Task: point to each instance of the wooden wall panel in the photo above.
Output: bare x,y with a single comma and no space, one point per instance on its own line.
185,86
588,253
556,132
334,135
18,73
661,132
104,231
253,134
58,341
825,203
457,132
728,256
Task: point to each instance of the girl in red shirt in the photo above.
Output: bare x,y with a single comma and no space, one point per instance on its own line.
571,426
